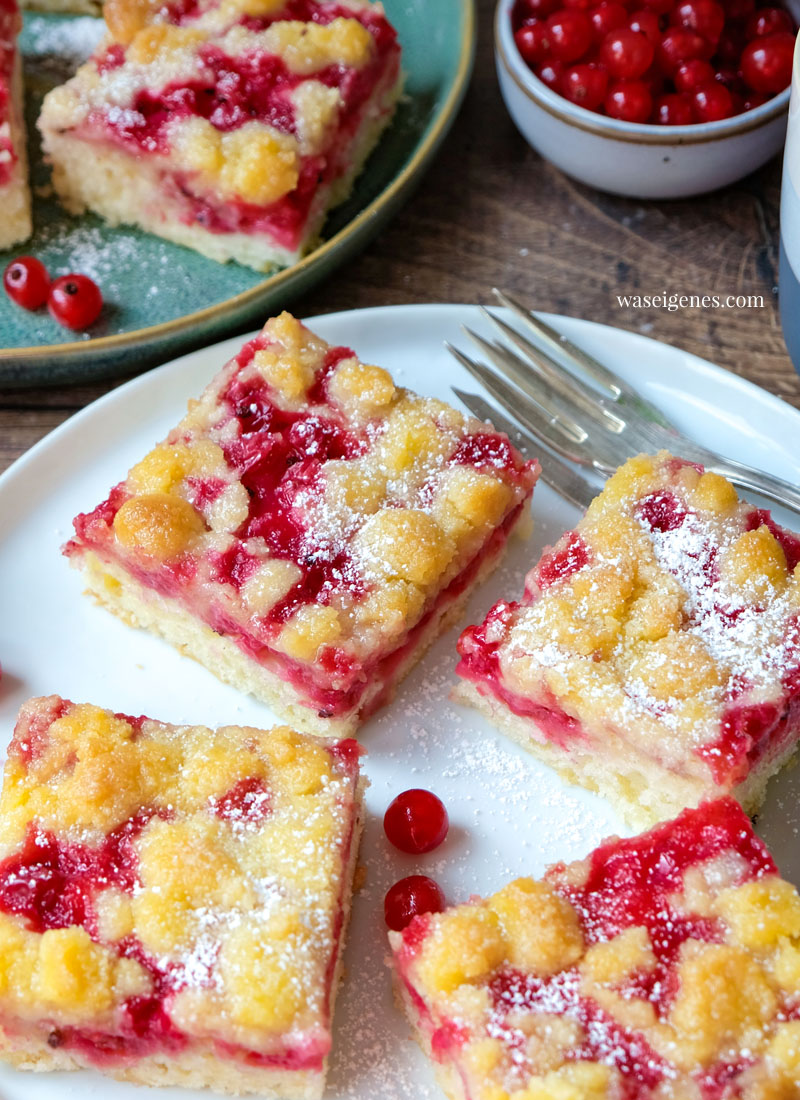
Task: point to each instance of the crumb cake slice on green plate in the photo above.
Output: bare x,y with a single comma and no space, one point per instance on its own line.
15,198
231,128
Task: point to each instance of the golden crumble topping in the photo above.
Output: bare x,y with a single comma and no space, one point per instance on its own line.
660,634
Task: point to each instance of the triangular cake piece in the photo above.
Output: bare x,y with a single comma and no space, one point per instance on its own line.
232,128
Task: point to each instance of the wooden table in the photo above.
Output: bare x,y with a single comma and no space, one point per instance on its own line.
490,211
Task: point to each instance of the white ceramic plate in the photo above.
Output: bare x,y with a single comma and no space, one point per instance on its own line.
508,815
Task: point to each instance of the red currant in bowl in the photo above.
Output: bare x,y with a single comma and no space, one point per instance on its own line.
766,62
664,98
416,821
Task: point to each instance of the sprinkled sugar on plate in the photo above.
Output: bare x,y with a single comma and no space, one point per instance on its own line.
509,815
162,298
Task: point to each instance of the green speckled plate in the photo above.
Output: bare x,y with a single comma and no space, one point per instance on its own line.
162,299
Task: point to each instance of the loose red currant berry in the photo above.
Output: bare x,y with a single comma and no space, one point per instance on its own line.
26,282
533,42
585,85
768,21
767,62
607,17
704,17
626,54
629,100
712,103
75,301
646,23
679,44
674,110
550,74
416,821
410,897
570,34
693,74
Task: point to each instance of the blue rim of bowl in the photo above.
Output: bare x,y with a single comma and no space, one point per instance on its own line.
635,133
231,306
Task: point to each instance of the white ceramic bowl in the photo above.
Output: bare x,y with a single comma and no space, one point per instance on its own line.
629,158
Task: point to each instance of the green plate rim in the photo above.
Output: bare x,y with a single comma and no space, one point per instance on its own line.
426,149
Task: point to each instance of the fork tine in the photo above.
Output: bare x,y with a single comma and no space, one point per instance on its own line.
574,358
540,393
560,346
538,423
533,420
511,397
561,381
568,482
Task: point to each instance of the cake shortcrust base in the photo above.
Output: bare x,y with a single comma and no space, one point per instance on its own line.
643,791
193,1069
447,1076
142,607
130,190
15,216
200,1069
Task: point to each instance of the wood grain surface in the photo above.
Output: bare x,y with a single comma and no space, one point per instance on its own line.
492,212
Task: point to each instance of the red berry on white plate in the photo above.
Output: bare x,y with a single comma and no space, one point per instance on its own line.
409,898
27,282
416,821
75,301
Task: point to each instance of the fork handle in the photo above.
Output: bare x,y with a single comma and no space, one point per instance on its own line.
773,488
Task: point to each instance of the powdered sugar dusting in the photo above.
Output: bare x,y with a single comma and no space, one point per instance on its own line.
106,259
752,642
509,816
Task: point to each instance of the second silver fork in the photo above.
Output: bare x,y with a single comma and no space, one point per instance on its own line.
564,398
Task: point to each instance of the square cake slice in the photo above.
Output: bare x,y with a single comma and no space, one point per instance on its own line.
15,198
308,528
664,967
173,900
230,128
655,654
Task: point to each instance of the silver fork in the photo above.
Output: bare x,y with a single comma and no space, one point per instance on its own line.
561,397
